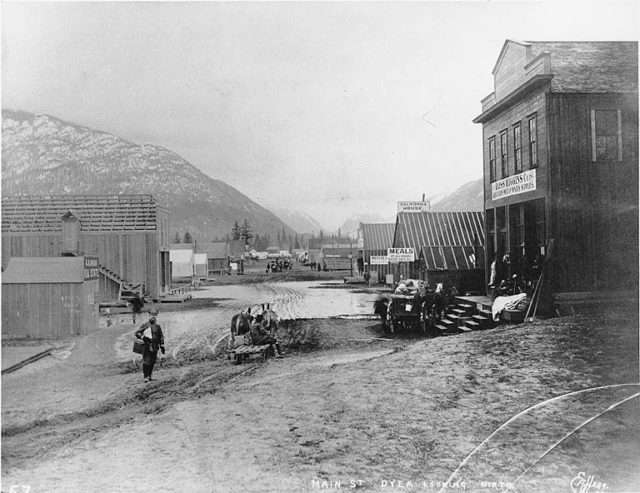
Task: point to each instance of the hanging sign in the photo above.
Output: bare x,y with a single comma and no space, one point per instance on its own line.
409,206
91,268
379,260
401,254
513,185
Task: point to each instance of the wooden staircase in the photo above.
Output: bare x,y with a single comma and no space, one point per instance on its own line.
123,283
466,315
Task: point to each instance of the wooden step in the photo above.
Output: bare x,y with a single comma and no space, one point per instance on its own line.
458,320
486,313
464,328
446,329
485,323
473,325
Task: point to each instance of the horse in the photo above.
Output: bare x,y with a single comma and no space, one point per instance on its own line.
240,324
439,299
380,307
270,320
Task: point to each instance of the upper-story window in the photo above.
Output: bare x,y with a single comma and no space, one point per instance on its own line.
533,142
606,135
503,154
492,159
517,148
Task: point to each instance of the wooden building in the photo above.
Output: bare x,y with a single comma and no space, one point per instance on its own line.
333,258
373,241
447,247
217,257
128,234
560,152
46,297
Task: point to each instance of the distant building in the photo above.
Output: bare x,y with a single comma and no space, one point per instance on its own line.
217,257
183,266
127,233
560,152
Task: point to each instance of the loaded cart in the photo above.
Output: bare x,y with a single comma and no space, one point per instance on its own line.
406,312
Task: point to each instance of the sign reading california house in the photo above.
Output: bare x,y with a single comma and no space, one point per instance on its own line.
401,254
513,185
408,206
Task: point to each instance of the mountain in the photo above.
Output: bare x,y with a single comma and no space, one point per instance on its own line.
299,221
468,197
350,226
43,155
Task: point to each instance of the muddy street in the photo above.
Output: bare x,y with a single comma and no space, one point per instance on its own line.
348,405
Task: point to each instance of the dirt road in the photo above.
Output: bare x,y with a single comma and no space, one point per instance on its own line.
345,407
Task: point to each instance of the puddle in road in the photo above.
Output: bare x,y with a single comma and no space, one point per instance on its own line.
292,300
295,299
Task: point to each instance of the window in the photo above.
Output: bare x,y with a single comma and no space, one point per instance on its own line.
517,148
492,159
503,154
533,142
606,135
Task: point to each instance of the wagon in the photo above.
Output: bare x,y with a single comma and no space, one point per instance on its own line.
406,313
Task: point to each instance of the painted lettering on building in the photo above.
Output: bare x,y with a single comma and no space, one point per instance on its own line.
401,254
409,206
379,260
513,185
91,268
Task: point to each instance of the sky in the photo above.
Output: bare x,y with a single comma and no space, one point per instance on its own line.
331,109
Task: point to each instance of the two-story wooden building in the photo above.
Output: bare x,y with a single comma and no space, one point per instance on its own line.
560,153
127,233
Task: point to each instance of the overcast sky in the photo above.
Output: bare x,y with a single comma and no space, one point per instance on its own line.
329,108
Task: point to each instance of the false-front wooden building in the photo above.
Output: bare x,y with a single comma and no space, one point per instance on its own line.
447,247
560,152
127,233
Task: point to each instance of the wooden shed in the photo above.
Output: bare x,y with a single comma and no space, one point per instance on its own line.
448,247
128,234
50,297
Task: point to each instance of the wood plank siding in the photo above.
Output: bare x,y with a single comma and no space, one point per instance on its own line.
49,310
376,239
593,206
128,234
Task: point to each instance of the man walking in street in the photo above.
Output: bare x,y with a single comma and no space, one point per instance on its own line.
136,306
151,333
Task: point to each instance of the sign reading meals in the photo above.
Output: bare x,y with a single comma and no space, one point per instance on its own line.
409,206
401,254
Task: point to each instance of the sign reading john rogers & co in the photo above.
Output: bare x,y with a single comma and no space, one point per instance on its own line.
513,185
